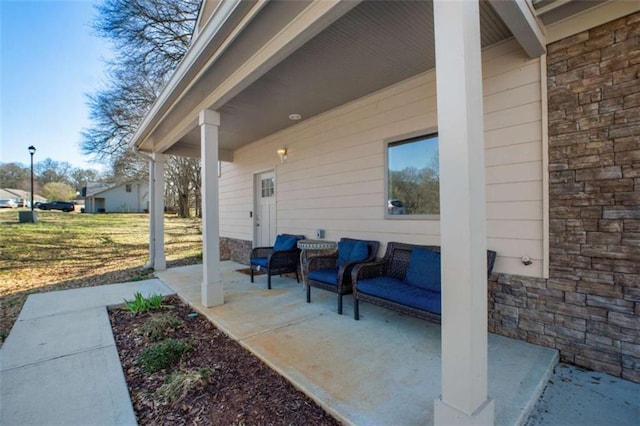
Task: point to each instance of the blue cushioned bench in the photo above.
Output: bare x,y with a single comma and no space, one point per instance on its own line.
407,279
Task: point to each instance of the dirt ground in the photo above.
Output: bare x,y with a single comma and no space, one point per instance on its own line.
233,387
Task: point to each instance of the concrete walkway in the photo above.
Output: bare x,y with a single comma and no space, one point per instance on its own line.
60,365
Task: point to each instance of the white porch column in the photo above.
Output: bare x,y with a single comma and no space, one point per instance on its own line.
156,212
211,290
464,398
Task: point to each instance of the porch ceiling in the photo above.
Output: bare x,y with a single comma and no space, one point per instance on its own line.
374,45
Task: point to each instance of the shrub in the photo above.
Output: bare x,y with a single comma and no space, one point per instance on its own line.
180,383
159,325
162,355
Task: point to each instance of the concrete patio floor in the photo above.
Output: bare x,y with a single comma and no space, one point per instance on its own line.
383,369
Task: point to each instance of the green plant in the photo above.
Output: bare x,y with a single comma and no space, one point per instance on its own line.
159,325
180,383
163,355
143,304
155,301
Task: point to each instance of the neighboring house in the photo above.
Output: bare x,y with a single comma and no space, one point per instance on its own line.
23,198
130,197
535,129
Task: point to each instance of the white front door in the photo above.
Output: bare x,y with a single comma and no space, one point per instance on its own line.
265,209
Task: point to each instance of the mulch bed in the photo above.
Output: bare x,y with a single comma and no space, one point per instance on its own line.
239,389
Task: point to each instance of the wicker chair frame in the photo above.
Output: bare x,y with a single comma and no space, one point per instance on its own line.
344,272
278,262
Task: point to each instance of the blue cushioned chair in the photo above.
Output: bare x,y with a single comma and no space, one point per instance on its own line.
333,272
281,258
407,279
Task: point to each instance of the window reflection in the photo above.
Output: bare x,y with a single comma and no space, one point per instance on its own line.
413,179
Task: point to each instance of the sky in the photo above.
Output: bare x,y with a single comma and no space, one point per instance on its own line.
50,59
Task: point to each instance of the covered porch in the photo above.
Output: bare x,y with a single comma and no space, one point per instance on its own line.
361,76
253,69
383,369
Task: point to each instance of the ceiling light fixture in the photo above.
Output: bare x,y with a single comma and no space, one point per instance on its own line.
295,117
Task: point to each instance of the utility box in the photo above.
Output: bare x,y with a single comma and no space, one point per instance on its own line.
27,217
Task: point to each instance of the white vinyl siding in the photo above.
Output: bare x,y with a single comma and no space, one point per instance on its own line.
119,200
334,175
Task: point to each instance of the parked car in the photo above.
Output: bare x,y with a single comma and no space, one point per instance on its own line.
395,206
8,204
65,206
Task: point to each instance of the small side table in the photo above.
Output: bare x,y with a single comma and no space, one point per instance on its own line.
315,246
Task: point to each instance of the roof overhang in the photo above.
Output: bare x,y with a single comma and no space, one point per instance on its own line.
517,15
256,62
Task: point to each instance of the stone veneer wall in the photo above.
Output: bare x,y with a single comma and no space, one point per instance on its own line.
236,250
589,308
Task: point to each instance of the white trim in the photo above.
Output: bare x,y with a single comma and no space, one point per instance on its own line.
307,24
212,290
545,165
429,131
256,189
463,225
523,24
156,212
214,24
591,18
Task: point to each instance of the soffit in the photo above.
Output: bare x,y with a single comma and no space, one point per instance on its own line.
376,44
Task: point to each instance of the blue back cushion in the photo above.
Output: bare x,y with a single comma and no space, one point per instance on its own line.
285,242
424,270
352,251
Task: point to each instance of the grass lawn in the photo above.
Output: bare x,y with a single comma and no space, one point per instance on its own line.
70,250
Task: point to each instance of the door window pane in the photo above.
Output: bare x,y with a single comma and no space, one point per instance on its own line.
267,187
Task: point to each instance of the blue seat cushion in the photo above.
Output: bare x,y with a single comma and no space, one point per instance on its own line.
285,242
352,251
424,270
327,276
260,261
396,290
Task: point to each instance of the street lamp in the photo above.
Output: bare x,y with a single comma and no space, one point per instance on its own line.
32,150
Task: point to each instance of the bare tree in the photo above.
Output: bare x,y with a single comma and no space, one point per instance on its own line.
183,178
150,38
49,170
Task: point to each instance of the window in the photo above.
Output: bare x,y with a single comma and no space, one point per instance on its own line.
267,187
413,177
127,187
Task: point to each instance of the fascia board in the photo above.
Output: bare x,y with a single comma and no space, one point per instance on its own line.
307,24
591,18
222,13
523,24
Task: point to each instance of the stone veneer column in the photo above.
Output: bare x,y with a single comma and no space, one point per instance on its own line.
589,308
594,165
